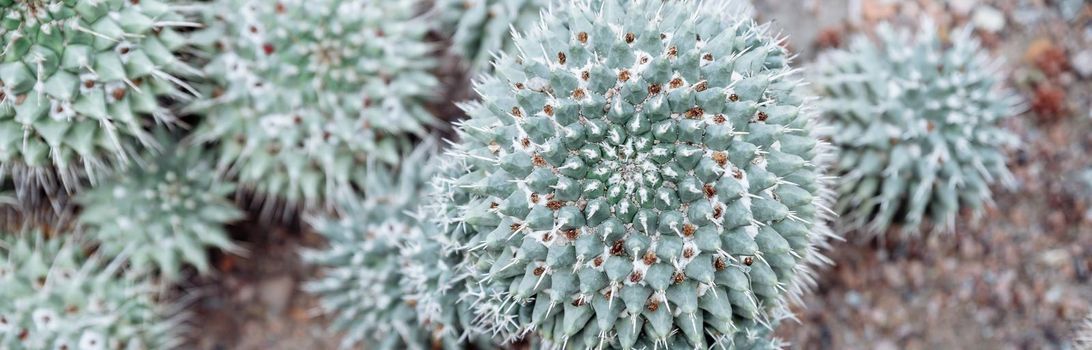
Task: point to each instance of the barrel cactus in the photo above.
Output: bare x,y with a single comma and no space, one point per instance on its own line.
917,120
481,28
380,256
166,213
57,297
79,82
304,92
642,174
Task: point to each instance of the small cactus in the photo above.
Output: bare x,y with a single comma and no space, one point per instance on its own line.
304,92
641,174
918,126
79,82
380,260
166,213
56,297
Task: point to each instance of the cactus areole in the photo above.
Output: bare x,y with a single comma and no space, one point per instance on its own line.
640,174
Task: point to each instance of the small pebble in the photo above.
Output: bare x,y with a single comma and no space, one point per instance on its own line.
1082,63
989,19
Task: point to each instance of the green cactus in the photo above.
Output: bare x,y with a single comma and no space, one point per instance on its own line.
643,174
382,265
307,91
917,121
79,82
166,213
481,28
56,297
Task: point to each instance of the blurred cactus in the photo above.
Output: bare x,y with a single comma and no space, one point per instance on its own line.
481,28
307,91
79,82
918,124
379,257
166,213
56,297
643,174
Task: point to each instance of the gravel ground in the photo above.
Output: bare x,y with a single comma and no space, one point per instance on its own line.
1019,278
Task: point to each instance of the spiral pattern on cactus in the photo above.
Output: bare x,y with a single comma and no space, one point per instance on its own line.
641,174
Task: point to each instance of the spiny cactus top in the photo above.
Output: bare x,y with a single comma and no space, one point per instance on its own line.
643,173
307,91
380,254
79,82
917,122
56,297
481,28
167,213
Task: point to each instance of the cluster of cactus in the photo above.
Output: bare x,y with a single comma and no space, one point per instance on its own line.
54,296
917,123
636,174
167,213
306,92
641,174
79,82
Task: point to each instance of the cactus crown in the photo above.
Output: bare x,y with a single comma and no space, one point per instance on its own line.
305,89
643,173
79,82
166,213
917,123
55,297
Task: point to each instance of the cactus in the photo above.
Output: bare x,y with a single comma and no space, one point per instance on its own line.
917,123
380,259
56,297
481,28
643,173
304,92
79,82
166,213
